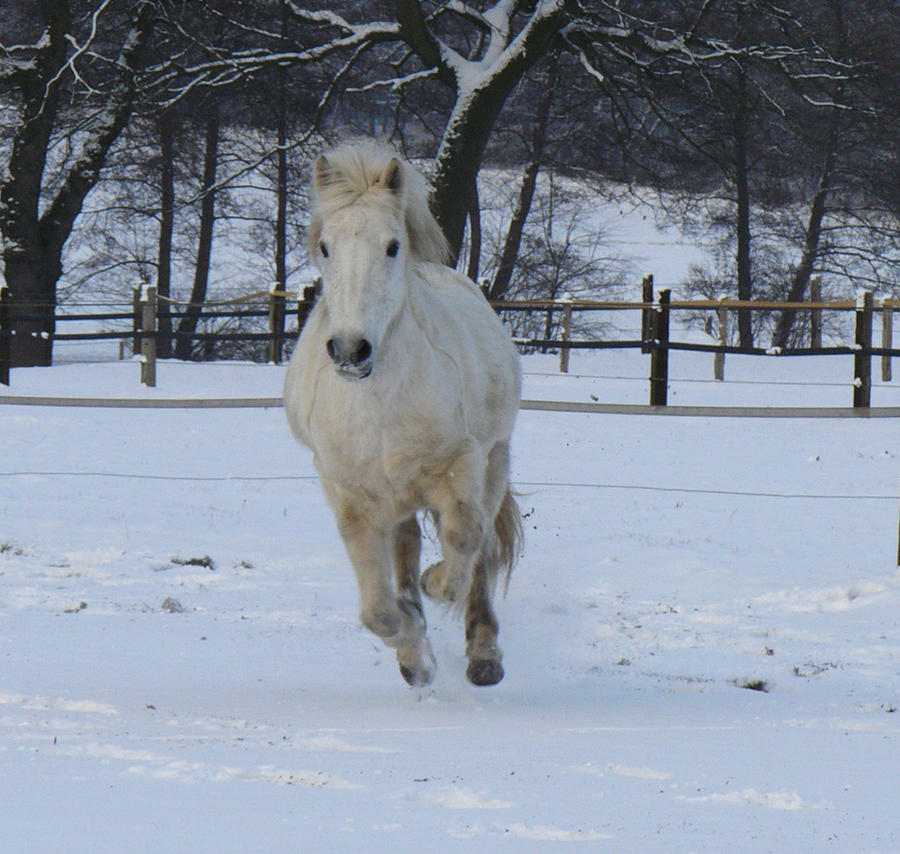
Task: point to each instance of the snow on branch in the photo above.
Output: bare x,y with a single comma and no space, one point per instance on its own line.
641,49
320,16
80,50
396,83
182,78
12,65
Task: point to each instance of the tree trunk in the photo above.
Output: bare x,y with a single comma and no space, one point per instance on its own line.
184,344
459,161
802,275
474,236
166,127
33,243
477,108
29,271
742,188
513,241
276,347
32,306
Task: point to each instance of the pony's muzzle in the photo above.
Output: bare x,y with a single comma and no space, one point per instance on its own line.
352,355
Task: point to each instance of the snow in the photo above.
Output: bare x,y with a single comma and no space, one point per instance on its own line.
701,638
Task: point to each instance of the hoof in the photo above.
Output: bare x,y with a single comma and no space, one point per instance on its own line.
416,678
484,671
435,584
417,664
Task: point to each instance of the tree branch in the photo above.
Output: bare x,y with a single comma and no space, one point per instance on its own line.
56,223
415,32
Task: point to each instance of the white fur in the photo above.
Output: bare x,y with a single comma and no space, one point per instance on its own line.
429,428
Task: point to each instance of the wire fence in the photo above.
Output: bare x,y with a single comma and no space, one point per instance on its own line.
523,484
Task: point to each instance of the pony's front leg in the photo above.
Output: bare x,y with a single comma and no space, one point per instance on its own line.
456,495
416,660
398,621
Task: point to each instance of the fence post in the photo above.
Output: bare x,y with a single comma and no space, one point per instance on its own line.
276,324
815,314
719,358
887,339
862,360
136,324
148,335
659,357
5,332
646,313
566,332
305,303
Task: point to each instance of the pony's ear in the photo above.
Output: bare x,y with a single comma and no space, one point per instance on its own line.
323,173
393,178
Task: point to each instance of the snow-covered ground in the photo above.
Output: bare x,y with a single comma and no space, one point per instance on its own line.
702,639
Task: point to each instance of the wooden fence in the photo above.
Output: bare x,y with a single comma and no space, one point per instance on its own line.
655,337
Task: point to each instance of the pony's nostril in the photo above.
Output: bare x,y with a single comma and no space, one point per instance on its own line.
349,351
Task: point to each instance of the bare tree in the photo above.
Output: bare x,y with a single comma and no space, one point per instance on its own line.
564,251
184,344
846,130
477,53
37,211
536,156
166,130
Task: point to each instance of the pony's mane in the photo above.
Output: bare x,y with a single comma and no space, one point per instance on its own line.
355,172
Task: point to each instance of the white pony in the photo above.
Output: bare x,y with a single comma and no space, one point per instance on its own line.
405,386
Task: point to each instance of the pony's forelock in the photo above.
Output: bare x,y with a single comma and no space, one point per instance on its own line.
352,172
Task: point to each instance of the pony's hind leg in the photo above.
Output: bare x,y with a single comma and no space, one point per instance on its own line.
499,550
484,654
416,660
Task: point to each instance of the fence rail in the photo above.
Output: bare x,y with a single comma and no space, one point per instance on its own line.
656,309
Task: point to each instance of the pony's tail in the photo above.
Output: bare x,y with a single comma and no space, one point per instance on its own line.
510,536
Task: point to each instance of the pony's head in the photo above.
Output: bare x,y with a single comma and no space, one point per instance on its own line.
370,219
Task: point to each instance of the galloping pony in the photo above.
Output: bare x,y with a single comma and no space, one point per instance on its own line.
406,387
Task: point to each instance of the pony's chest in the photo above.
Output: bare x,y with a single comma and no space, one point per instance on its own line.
358,432
378,441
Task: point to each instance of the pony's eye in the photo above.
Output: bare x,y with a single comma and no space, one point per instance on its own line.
323,249
393,249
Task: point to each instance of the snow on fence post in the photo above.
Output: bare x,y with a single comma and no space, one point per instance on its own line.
5,334
887,338
659,356
148,335
862,360
566,332
646,313
719,358
815,314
